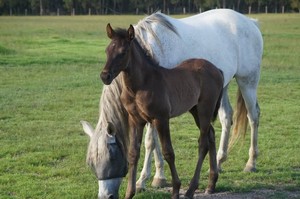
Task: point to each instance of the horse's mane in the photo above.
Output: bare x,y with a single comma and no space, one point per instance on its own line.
110,110
145,26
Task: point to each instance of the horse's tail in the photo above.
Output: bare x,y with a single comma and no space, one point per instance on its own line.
240,120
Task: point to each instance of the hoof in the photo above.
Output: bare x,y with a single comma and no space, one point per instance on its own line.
249,169
159,183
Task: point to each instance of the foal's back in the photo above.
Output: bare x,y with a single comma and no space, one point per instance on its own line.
188,82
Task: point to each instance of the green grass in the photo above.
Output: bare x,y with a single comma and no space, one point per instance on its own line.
49,81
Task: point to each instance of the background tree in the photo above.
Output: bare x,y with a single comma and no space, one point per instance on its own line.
295,5
47,7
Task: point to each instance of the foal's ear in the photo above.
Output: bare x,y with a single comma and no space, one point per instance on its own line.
130,33
111,129
110,32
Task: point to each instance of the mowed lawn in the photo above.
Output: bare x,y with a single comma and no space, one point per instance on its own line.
49,81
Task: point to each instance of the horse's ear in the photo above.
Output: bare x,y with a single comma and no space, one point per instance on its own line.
87,128
111,129
110,32
130,33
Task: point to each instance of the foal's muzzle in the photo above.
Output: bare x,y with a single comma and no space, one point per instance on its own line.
106,77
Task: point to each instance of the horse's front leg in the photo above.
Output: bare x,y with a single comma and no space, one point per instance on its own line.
135,137
163,129
146,171
159,179
152,145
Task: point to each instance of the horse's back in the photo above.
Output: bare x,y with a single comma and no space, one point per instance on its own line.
226,38
232,41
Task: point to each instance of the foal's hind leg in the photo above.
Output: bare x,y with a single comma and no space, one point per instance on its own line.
206,143
250,97
213,171
202,151
163,129
225,115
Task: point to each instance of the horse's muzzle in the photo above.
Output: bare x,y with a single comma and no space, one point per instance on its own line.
106,77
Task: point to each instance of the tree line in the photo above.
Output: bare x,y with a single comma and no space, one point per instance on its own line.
101,7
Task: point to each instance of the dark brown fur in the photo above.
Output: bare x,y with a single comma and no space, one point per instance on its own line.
154,94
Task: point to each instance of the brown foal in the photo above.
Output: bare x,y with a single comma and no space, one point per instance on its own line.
154,94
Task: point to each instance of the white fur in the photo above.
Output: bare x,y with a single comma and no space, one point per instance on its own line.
106,188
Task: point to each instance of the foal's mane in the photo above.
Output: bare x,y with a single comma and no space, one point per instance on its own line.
123,35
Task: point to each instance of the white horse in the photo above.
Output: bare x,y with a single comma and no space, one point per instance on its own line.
226,38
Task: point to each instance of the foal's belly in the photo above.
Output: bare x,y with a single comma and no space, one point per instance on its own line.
182,107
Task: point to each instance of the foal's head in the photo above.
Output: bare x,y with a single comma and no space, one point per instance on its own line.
117,52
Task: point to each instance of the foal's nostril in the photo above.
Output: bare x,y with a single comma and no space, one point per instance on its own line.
106,77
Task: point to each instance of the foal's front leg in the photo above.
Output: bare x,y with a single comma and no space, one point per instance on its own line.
135,137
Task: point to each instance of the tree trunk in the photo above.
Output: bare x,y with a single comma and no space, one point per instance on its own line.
41,7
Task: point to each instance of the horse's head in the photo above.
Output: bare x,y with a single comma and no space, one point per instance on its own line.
107,159
117,52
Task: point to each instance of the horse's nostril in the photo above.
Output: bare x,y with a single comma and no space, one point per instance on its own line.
110,197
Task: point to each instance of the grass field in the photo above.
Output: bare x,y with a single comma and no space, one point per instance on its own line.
49,81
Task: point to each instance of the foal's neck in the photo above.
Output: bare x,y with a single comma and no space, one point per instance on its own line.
139,66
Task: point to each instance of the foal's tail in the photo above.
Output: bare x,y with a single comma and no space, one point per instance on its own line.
240,120
217,106
219,101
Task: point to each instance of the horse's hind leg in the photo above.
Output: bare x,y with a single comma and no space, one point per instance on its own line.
225,116
250,97
152,145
